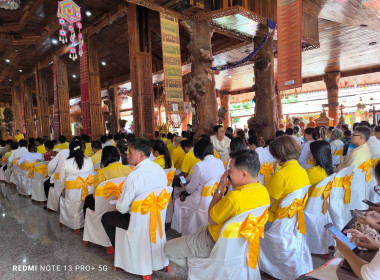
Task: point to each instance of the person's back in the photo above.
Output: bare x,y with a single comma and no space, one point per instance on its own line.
374,142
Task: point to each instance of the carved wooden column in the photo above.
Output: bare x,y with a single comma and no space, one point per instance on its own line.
61,99
265,121
18,108
332,81
113,110
140,72
187,119
42,102
225,103
279,107
201,88
28,109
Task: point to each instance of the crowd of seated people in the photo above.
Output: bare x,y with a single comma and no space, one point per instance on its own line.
250,172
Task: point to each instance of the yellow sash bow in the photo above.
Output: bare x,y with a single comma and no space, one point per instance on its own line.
266,170
365,167
80,183
339,153
112,189
42,169
210,190
170,176
344,182
30,167
326,195
153,205
252,229
296,207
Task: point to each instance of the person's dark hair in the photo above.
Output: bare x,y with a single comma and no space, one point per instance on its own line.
296,129
77,153
32,148
184,134
344,127
364,131
312,132
365,123
23,143
216,128
331,128
9,141
279,133
247,160
267,143
237,144
62,139
49,145
321,152
156,133
110,136
377,170
240,133
355,125
377,128
187,143
253,140
206,137
104,139
109,155
96,145
31,140
141,144
203,148
162,149
40,141
163,135
2,143
117,137
86,138
55,141
347,133
252,132
170,135
285,148
230,130
296,119
289,131
123,148
14,145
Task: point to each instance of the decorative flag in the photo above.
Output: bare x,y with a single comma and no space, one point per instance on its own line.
68,14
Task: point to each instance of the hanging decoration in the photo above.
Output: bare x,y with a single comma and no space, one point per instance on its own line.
69,14
272,26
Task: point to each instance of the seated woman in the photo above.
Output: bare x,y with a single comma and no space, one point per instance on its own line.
111,167
256,145
310,135
320,153
236,144
50,153
162,154
31,155
122,146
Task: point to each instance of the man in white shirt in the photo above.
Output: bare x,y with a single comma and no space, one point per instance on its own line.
32,155
221,142
290,131
16,154
145,177
374,142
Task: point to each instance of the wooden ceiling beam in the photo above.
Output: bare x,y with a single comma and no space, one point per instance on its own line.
343,74
105,20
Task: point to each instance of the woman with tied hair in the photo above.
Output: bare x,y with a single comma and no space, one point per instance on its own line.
320,153
162,154
122,146
76,162
310,135
290,177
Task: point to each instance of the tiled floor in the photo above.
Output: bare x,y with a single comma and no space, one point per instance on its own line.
30,236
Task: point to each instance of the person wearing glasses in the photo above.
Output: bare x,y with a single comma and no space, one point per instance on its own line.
361,153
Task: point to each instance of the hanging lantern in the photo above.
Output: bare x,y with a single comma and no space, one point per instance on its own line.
68,14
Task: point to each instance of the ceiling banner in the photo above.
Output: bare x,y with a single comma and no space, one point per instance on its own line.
289,44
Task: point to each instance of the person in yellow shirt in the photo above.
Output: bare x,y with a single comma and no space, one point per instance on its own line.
247,194
87,140
169,142
178,153
163,138
97,157
62,143
189,160
320,153
290,177
110,168
18,136
162,154
40,146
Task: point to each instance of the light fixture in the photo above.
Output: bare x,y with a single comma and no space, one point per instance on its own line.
88,13
7,60
229,76
3,214
10,4
10,80
54,41
20,70
16,50
104,63
74,76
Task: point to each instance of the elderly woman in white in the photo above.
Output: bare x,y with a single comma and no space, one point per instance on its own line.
336,146
208,168
221,142
310,135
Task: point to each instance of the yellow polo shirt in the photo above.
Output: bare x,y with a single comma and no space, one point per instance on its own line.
164,140
41,149
288,179
189,161
178,155
113,170
6,156
96,158
88,152
160,160
316,174
19,137
241,199
170,146
62,146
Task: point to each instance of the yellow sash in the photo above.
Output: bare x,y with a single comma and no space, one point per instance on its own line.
251,229
15,162
170,176
296,207
323,191
153,205
42,169
30,167
339,153
225,163
80,183
365,167
344,182
109,189
210,190
267,171
56,176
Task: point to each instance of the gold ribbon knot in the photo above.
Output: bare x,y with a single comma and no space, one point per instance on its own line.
112,189
267,171
326,195
83,183
42,169
30,167
170,176
339,153
365,167
253,228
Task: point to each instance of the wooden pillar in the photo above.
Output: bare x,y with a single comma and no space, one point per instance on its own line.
18,108
113,110
28,109
61,99
91,99
187,119
279,107
332,84
42,103
201,88
225,103
265,121
140,72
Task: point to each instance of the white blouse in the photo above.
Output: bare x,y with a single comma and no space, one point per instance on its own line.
371,271
70,167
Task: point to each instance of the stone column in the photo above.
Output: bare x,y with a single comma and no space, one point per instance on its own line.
332,84
225,103
42,102
61,99
28,109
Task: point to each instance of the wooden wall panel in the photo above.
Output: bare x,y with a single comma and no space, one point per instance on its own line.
42,103
28,109
17,108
